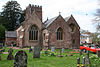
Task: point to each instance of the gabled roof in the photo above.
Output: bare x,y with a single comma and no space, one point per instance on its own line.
12,34
50,21
67,18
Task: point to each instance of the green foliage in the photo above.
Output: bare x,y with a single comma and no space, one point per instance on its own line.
11,16
2,32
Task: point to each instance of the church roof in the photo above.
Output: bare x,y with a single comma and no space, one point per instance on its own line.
50,21
12,34
67,18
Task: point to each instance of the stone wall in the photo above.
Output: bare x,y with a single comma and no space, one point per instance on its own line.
66,42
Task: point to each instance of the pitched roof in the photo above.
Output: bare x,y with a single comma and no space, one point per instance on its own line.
67,18
50,21
12,34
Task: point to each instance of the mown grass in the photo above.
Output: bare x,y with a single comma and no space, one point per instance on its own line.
46,60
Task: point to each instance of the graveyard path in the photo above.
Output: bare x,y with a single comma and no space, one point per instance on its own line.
19,48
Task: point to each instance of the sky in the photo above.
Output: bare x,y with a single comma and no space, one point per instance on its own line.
82,10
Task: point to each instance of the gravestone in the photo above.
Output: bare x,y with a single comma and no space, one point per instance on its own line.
98,53
83,62
20,59
63,50
0,55
60,55
53,49
37,52
1,45
30,50
78,62
10,56
87,60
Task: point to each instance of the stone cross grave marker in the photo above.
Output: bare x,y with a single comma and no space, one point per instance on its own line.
10,56
53,49
37,52
20,59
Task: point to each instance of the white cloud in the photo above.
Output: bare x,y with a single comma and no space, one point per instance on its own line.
51,8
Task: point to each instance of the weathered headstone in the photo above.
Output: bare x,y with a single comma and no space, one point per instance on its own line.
10,56
78,62
83,62
63,50
98,53
87,60
20,59
37,52
53,49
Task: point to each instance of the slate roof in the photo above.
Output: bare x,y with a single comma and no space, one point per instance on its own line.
48,22
12,34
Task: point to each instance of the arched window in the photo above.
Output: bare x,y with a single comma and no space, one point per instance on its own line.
60,34
33,33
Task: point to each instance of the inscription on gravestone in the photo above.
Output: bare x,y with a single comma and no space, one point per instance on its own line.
20,59
37,52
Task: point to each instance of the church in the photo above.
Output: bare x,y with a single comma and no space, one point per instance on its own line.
56,32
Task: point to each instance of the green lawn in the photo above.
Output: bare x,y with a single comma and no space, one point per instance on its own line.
51,61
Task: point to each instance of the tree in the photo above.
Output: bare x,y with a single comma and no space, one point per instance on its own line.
2,32
11,15
97,17
95,37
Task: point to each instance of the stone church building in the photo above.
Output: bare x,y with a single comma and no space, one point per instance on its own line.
57,32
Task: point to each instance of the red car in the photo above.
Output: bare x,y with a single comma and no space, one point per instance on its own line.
90,48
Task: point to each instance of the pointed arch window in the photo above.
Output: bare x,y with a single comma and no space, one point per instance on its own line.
33,33
60,34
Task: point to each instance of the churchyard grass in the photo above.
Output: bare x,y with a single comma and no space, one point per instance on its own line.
46,60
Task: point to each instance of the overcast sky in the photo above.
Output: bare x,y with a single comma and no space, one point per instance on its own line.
82,10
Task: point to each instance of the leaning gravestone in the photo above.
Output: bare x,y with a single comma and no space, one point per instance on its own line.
37,52
20,59
53,49
10,56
